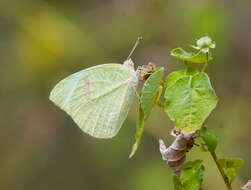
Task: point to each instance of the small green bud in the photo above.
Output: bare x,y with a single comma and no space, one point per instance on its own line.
204,42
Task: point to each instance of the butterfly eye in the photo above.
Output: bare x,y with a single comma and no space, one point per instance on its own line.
131,64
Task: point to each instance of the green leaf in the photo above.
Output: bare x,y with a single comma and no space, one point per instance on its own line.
210,138
199,57
231,166
139,132
192,175
150,91
190,100
148,97
174,76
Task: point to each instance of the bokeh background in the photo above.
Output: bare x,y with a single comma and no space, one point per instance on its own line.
43,41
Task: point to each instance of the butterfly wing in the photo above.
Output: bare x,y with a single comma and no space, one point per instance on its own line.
97,99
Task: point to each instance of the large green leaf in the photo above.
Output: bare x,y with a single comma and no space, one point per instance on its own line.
231,166
190,100
199,57
176,75
210,138
172,78
148,98
192,175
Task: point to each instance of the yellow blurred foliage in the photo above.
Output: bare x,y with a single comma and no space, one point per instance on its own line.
47,39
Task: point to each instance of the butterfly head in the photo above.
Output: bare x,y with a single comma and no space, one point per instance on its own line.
129,64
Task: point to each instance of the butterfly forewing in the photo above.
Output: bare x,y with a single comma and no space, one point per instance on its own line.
97,98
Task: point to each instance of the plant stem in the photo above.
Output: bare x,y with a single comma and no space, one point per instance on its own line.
205,65
185,62
176,182
224,176
159,95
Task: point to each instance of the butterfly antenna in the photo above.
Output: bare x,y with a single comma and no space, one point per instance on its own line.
134,47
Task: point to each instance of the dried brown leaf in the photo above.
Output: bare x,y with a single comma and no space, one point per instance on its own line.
175,154
247,186
145,71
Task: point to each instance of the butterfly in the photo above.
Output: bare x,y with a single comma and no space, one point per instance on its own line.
98,98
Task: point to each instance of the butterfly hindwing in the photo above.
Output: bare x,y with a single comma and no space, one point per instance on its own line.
97,98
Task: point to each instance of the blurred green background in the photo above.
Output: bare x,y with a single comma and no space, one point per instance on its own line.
43,41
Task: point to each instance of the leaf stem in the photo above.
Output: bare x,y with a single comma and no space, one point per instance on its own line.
224,176
205,65
159,95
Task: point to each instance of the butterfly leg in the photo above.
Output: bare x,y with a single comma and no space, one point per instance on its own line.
138,96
